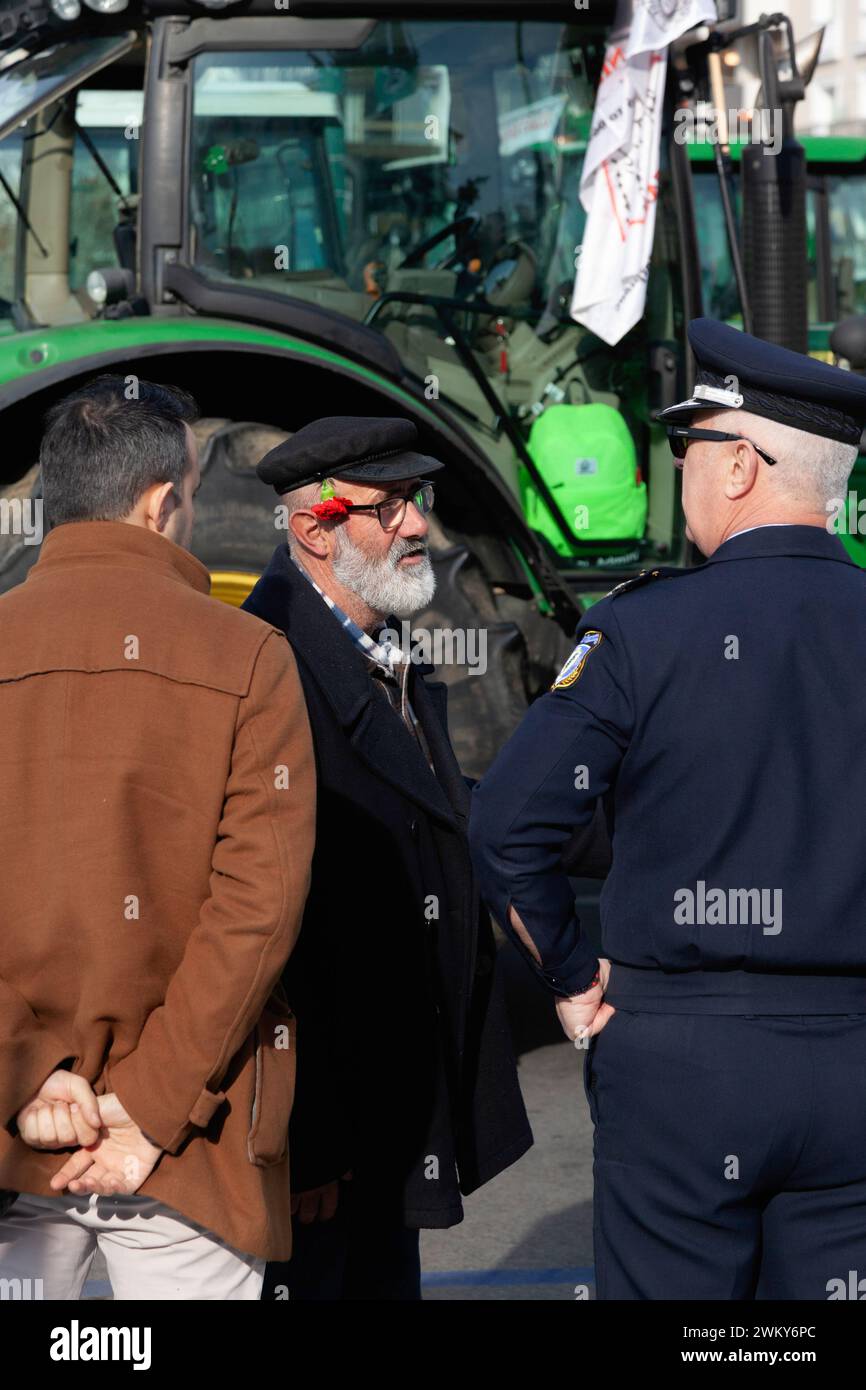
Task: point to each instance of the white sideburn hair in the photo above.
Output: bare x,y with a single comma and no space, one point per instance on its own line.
809,468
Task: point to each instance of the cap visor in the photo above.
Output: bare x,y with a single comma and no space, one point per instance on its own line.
391,470
682,413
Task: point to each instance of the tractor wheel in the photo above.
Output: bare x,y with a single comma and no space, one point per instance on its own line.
17,554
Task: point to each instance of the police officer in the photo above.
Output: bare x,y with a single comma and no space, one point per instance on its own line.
719,712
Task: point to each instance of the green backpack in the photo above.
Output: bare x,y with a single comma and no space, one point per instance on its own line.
587,457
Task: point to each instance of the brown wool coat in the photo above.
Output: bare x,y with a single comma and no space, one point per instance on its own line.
154,869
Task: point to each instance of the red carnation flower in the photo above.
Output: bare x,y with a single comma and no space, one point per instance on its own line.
334,506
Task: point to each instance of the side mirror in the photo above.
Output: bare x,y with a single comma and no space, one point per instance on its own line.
848,340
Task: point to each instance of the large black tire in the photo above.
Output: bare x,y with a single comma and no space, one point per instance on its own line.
485,704
234,511
16,555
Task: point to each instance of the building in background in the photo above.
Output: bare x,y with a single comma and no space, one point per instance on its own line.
835,102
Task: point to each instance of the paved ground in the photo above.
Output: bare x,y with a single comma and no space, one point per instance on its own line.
528,1234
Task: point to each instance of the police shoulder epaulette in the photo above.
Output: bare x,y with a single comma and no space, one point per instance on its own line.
663,572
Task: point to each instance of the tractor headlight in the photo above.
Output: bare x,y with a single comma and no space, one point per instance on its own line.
66,9
107,6
109,285
96,288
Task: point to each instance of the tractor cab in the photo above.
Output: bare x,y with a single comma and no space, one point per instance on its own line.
405,189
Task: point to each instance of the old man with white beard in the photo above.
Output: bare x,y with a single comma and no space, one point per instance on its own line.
407,1095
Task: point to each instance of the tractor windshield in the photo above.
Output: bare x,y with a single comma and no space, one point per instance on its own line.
443,157
28,85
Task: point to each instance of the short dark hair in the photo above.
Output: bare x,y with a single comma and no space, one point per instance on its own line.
108,442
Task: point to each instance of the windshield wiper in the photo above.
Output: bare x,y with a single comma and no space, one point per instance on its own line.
19,208
101,165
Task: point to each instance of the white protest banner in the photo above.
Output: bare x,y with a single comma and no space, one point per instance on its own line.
619,184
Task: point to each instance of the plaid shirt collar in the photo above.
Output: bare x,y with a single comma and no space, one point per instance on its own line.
384,655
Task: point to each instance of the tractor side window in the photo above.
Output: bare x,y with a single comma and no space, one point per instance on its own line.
10,182
109,124
813,306
848,242
718,286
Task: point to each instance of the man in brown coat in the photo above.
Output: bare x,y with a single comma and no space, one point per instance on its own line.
157,820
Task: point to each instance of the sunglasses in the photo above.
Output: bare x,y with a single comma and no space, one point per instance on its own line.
392,511
681,436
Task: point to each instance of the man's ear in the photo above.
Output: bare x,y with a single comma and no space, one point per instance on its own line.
160,504
742,470
307,530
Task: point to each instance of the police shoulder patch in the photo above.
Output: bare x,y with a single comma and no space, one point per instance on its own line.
573,667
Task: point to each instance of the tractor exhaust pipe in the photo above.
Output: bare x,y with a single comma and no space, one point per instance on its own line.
773,175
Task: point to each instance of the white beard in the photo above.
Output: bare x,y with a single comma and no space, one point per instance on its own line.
379,583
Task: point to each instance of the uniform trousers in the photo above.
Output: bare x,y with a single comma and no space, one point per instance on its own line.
729,1156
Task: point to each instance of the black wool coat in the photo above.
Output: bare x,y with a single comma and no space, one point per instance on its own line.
406,1072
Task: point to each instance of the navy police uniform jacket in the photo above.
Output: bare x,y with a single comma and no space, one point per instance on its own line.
719,714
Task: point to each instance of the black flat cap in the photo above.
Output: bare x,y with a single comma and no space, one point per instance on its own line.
736,371
357,448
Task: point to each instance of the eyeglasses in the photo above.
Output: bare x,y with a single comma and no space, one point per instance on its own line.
393,509
681,436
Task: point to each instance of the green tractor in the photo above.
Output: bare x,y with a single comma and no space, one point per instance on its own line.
296,210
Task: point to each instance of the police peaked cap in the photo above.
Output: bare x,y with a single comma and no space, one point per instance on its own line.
736,371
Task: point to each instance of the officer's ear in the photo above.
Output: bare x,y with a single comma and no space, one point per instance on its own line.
742,470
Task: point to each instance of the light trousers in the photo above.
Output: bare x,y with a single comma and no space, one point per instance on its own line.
47,1245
